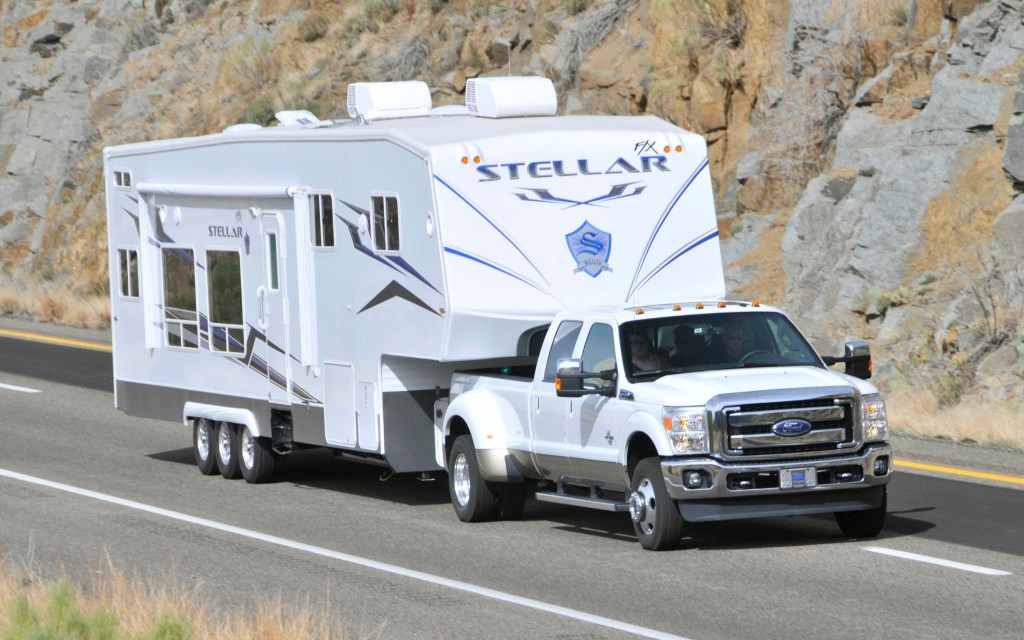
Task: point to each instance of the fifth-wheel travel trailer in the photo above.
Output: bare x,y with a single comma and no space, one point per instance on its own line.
317,283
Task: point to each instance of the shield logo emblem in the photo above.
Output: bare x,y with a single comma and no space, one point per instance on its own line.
590,248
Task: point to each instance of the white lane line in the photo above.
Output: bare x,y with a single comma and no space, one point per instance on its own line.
973,568
11,387
356,560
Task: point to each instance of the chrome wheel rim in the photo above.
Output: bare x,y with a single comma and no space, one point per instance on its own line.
248,446
203,440
643,506
460,479
224,444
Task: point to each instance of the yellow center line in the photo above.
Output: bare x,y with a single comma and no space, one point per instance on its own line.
51,339
958,472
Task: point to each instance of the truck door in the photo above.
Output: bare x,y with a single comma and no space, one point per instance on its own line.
596,422
271,297
549,413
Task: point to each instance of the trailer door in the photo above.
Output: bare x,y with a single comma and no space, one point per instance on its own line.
272,312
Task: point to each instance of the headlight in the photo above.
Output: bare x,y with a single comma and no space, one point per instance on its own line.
687,428
876,425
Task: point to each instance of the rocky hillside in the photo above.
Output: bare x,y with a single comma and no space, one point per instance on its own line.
867,155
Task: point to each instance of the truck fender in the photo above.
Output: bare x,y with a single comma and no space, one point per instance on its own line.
222,414
642,422
489,419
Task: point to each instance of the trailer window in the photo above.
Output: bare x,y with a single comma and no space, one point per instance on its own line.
180,318
227,329
323,219
122,179
385,223
128,260
561,347
272,282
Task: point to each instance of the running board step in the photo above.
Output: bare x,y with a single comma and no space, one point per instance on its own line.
582,501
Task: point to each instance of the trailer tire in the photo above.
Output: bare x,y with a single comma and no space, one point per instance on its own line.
227,451
510,500
656,518
473,497
863,524
255,457
204,438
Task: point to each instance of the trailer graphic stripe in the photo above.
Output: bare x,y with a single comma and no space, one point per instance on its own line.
661,222
395,290
493,266
493,224
357,244
692,245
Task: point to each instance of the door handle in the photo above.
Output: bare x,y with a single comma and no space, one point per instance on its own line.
261,308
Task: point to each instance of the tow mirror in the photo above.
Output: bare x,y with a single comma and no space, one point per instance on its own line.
570,377
857,358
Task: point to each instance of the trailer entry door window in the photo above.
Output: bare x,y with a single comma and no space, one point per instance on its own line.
323,220
227,328
385,223
180,318
129,263
272,283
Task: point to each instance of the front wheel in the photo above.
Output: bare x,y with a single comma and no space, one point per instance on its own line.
473,497
863,524
255,457
656,519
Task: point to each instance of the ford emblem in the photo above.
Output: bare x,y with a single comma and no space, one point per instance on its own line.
791,428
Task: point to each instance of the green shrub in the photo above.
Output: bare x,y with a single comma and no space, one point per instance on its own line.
261,111
313,27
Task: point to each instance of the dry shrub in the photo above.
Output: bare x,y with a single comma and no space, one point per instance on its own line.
140,605
919,412
50,307
49,303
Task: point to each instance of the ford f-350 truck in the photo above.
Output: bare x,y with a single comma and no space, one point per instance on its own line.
686,412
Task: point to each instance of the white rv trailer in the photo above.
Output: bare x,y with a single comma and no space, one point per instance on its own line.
318,283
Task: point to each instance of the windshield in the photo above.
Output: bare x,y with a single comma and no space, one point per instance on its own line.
656,347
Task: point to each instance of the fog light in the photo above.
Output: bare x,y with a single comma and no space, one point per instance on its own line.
881,466
693,479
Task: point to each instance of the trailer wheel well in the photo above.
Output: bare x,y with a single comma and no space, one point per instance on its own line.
456,427
640,447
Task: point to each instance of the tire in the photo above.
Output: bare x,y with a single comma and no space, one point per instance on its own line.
473,497
510,500
255,457
656,518
204,438
226,449
863,524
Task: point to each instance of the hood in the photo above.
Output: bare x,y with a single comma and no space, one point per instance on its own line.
692,389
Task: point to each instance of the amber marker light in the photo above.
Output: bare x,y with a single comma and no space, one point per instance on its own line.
699,305
755,303
679,148
476,159
558,384
668,149
676,307
465,160
639,311
721,304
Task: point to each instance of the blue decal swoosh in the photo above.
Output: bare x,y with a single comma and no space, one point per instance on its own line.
462,254
496,227
708,235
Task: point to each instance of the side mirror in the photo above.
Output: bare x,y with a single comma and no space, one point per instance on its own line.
570,377
857,358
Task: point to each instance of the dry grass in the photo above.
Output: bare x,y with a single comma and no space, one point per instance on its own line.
50,304
141,606
919,412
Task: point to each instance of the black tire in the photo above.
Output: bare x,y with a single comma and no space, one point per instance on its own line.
863,524
226,450
204,438
510,500
255,456
656,518
473,497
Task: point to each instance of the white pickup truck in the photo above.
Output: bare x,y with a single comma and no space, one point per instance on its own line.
689,412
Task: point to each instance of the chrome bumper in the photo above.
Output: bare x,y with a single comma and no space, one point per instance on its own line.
748,480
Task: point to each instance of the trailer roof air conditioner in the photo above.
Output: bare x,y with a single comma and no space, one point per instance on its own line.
382,100
511,97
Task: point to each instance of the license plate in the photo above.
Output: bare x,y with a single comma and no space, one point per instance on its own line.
798,478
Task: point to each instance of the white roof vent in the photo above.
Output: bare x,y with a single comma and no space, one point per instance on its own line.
449,110
511,97
300,118
244,126
383,100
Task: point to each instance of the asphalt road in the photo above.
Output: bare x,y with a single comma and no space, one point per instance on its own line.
316,533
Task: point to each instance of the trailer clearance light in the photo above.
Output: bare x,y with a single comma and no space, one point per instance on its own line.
679,148
465,160
686,429
876,423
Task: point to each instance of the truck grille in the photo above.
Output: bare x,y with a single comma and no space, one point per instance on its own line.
749,427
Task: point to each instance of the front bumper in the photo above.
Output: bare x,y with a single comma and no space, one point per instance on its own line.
722,481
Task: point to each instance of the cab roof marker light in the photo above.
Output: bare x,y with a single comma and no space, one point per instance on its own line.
721,304
699,305
639,311
755,303
676,307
